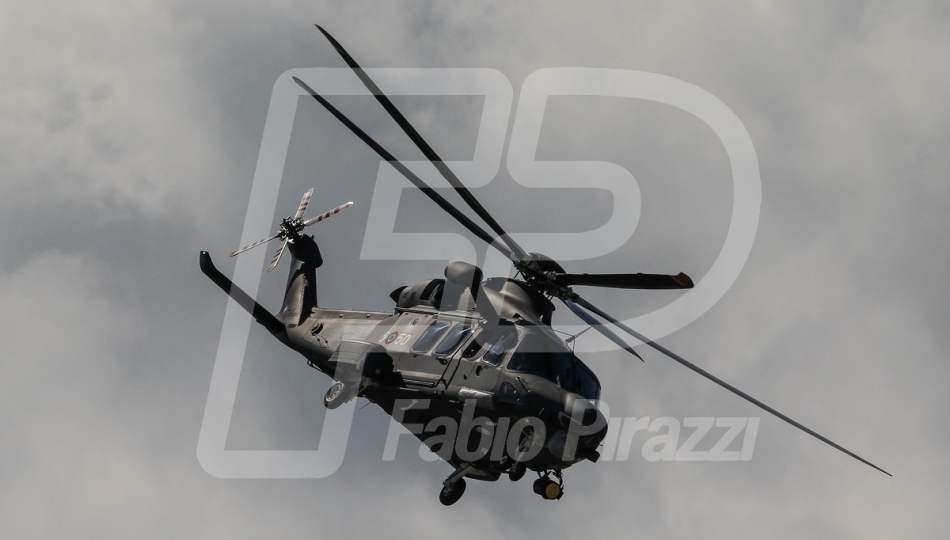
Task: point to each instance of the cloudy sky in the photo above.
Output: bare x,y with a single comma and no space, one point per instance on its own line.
130,139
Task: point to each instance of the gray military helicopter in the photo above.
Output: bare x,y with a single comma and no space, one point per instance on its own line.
463,347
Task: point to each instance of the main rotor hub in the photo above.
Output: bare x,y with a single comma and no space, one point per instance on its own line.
543,263
538,271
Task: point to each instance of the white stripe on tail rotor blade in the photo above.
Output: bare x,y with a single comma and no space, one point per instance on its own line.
326,215
304,202
254,245
276,259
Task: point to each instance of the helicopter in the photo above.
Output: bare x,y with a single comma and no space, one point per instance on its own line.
462,347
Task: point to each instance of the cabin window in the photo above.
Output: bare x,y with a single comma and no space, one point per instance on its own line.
503,343
430,336
451,340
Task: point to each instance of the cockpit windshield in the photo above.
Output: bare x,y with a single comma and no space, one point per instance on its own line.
587,384
537,355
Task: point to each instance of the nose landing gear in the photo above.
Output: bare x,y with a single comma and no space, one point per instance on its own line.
547,488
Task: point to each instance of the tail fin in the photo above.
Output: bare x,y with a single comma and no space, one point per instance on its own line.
301,295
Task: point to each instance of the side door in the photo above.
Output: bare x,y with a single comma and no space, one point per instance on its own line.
480,360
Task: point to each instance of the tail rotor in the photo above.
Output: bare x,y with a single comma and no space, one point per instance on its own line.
291,226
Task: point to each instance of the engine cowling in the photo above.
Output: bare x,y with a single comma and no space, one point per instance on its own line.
426,293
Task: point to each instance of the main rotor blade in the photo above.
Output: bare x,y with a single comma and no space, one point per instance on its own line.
326,215
276,259
427,150
720,382
304,202
597,325
626,281
403,170
254,245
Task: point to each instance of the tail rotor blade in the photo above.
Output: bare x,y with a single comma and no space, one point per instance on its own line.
304,202
327,214
276,259
679,359
254,245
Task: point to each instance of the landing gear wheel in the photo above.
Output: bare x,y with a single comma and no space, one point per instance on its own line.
337,395
549,489
517,472
451,493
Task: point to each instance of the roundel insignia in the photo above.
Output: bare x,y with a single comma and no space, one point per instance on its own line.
392,337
